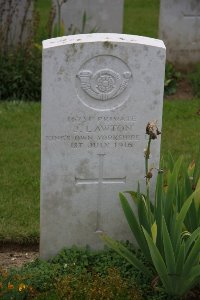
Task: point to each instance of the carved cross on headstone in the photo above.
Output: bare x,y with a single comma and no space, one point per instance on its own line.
100,181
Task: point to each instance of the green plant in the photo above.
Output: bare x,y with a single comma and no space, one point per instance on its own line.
171,79
81,273
188,180
90,286
20,57
194,78
20,76
159,228
13,287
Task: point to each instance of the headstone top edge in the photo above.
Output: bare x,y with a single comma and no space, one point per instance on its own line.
102,37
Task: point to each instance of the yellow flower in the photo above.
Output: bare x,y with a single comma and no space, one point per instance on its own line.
21,287
10,286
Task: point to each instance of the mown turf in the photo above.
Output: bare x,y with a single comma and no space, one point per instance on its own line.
141,17
181,128
20,159
19,165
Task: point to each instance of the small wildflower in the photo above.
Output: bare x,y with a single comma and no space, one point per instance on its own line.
4,273
10,286
21,287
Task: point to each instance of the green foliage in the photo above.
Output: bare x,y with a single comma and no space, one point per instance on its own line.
187,183
20,76
20,59
94,286
167,230
74,274
194,78
171,79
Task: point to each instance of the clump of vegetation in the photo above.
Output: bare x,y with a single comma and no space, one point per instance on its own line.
95,286
167,230
74,274
171,79
194,78
20,76
20,57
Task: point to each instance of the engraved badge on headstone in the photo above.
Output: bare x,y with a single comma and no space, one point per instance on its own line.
104,78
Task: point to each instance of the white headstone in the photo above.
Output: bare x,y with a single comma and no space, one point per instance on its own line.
180,30
104,15
98,93
16,24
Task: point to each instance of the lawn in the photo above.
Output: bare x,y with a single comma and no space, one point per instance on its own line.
141,17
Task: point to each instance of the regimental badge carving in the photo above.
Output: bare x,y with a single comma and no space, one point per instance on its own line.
104,84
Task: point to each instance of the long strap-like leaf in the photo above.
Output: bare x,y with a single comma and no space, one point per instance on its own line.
158,263
128,255
134,225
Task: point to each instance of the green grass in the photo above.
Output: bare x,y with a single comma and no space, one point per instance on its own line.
19,165
141,17
181,128
20,159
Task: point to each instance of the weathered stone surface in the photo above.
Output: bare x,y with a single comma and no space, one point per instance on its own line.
104,15
179,29
15,21
98,93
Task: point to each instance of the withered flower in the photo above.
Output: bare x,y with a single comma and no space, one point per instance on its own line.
149,174
152,130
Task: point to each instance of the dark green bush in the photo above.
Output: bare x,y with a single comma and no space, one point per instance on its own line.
194,78
171,79
20,76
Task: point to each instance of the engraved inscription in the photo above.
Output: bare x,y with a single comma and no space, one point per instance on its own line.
104,84
99,132
100,181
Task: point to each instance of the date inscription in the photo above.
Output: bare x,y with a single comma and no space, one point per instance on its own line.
98,132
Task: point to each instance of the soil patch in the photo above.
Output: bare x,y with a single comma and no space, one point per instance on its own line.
16,255
184,91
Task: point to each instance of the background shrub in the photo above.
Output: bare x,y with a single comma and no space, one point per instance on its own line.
194,78
20,76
